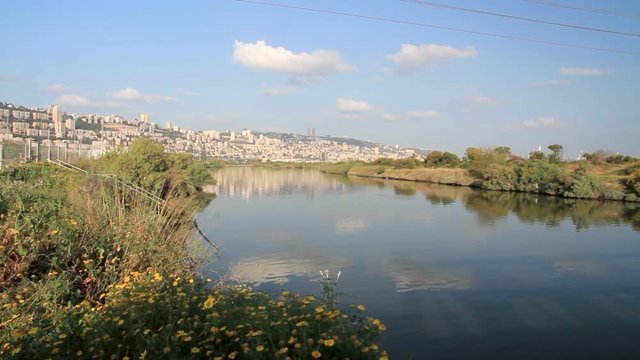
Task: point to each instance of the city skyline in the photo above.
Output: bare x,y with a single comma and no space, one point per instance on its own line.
233,64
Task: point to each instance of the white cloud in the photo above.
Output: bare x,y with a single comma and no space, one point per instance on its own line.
76,100
261,56
424,115
353,106
73,100
414,58
130,93
553,82
57,88
482,100
578,71
544,121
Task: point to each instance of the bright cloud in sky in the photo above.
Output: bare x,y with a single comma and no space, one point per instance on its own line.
262,56
130,93
73,100
580,71
414,58
56,88
544,121
424,115
353,106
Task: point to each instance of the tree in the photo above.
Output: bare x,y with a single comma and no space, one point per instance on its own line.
556,153
432,159
536,155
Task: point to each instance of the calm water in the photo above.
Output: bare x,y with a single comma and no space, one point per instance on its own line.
454,273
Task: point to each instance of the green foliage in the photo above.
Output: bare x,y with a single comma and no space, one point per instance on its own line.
633,183
582,185
408,163
540,176
499,177
439,159
600,157
556,153
536,155
147,165
480,159
340,168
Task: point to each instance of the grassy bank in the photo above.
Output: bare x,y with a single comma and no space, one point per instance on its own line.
90,269
611,178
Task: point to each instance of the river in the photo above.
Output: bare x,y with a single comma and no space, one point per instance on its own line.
454,273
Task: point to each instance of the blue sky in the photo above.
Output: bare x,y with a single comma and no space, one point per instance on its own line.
227,65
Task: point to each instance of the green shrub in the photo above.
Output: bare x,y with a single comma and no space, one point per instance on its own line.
583,185
539,176
499,177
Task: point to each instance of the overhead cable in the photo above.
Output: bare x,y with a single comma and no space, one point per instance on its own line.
490,13
419,24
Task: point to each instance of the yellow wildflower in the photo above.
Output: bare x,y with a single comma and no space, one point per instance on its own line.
54,232
319,309
125,358
283,350
146,331
361,307
232,355
329,343
302,323
195,350
316,354
384,356
259,348
208,304
33,331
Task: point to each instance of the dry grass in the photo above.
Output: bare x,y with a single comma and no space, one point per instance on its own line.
430,175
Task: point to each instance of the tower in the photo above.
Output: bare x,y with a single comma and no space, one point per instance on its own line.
58,121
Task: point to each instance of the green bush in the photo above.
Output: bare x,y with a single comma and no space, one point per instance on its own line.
539,176
499,177
582,185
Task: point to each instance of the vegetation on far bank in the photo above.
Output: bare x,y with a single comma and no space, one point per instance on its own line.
90,269
598,175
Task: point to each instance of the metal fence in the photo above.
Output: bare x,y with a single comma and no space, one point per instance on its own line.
27,151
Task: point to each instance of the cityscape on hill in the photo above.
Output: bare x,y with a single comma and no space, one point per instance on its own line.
96,134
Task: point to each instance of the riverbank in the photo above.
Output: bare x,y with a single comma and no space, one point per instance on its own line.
568,180
90,267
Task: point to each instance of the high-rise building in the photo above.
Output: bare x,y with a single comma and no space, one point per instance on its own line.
70,124
144,118
58,121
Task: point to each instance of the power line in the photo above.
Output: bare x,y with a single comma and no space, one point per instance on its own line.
458,8
585,9
405,22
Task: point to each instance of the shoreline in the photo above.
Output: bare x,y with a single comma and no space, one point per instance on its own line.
442,176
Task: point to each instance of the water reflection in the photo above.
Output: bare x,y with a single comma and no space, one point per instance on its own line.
279,267
249,182
456,273
409,275
489,206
